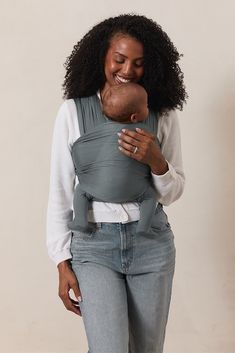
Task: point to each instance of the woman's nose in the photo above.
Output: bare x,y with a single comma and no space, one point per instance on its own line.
127,69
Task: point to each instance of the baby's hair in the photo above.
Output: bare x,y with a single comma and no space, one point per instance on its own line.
123,100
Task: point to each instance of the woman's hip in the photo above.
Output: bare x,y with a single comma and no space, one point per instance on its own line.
116,245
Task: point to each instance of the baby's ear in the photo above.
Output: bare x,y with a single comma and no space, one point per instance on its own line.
134,118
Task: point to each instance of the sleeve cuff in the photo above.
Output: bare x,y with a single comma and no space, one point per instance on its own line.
161,181
61,256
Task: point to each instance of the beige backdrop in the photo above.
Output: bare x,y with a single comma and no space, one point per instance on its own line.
36,37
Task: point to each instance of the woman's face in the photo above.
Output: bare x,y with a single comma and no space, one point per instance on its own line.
124,60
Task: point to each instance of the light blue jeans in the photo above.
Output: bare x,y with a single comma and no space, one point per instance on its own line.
125,282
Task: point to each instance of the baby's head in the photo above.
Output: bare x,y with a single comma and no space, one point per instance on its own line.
126,102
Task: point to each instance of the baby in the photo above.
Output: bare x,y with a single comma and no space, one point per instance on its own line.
106,174
126,103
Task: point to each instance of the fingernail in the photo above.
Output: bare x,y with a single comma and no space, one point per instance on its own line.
79,298
120,148
119,134
119,141
123,130
138,129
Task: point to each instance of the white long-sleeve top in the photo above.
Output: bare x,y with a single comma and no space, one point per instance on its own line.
169,186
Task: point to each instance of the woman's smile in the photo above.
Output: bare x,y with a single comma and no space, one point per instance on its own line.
121,79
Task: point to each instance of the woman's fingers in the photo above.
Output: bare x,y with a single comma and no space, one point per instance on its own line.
69,303
135,143
138,135
130,146
128,153
75,302
145,133
75,288
129,139
67,281
140,145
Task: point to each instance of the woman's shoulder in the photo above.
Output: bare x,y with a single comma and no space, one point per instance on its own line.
66,120
67,106
66,112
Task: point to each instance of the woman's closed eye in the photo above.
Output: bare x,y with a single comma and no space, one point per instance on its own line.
121,61
139,64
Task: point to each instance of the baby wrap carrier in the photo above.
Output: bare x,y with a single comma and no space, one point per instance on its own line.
104,172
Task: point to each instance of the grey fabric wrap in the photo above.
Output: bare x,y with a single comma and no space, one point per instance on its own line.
104,172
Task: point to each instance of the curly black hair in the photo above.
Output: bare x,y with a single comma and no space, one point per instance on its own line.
162,78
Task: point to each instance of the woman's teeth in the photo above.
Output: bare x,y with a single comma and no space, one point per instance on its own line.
121,79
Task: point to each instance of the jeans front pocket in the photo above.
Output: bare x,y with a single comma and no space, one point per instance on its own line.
82,240
78,234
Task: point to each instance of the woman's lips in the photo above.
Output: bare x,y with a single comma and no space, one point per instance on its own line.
120,79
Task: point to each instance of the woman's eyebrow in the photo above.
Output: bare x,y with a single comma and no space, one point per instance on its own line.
117,52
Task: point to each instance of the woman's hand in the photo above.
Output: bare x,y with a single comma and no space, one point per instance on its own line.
141,146
67,281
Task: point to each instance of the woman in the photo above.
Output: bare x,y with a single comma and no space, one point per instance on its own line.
122,282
